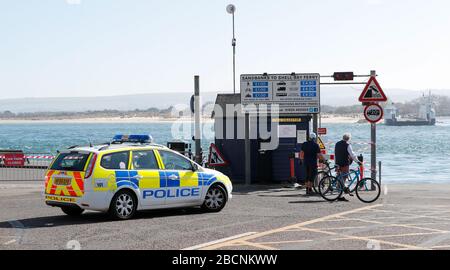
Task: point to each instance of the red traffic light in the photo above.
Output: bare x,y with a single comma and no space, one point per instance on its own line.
343,76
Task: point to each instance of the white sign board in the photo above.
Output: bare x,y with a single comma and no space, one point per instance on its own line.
287,131
295,94
301,136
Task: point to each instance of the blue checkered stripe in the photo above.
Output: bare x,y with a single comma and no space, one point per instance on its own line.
205,179
127,179
169,179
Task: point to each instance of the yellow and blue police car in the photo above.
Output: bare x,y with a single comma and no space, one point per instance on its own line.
131,174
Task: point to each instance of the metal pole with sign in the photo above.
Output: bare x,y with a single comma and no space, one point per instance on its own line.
371,96
373,135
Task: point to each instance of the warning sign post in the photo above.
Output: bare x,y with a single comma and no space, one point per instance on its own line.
371,95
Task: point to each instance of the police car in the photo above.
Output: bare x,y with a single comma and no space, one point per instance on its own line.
131,174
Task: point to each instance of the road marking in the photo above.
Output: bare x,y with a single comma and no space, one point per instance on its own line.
367,239
391,235
330,229
10,242
19,228
419,228
286,242
257,245
441,247
16,224
295,226
219,241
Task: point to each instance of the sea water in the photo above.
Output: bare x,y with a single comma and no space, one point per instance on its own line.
408,154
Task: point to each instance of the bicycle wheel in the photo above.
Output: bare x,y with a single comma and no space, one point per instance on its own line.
321,175
368,190
330,188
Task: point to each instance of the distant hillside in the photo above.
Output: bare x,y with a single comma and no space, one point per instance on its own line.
82,104
347,96
410,108
330,96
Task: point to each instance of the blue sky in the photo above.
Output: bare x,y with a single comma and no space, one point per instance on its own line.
111,47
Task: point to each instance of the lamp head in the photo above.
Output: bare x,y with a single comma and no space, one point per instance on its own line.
231,9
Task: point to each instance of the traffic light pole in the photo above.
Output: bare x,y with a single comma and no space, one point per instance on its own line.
347,78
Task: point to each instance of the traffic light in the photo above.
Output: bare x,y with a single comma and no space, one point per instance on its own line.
343,76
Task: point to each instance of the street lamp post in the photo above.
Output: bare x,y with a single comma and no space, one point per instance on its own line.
231,9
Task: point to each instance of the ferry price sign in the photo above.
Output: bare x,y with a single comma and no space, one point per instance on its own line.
294,93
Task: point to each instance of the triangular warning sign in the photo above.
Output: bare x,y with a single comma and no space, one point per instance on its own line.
321,144
373,92
215,157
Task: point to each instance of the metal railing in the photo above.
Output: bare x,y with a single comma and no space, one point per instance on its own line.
33,168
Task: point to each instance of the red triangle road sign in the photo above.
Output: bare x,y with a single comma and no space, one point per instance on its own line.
373,92
216,158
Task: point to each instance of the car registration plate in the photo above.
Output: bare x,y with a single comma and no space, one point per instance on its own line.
62,181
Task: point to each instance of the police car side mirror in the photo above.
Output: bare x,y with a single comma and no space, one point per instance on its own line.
194,167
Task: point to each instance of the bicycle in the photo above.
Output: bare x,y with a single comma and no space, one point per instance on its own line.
328,171
367,190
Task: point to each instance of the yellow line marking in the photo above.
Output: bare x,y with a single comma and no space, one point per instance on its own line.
427,223
365,221
278,243
332,229
392,235
415,215
218,241
258,235
10,242
419,228
441,247
257,245
367,239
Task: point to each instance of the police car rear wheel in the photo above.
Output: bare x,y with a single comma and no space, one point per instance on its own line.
123,205
215,199
72,211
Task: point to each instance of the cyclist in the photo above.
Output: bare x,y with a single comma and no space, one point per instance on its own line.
309,155
345,156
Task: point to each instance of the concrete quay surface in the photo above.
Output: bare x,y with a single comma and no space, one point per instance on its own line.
407,216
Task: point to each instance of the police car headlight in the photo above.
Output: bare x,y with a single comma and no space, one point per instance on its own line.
227,183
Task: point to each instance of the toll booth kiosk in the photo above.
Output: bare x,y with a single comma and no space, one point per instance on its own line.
267,166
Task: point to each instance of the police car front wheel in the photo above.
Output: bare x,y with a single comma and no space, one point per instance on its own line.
123,205
215,199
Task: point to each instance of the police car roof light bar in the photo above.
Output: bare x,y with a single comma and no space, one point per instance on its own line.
132,139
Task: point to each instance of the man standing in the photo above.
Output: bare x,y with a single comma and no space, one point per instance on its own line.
344,158
309,155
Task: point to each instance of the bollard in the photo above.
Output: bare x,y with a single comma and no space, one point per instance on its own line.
379,173
361,167
293,178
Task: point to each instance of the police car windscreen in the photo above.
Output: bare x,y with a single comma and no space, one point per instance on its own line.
73,162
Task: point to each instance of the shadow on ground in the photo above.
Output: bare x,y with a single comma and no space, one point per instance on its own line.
95,218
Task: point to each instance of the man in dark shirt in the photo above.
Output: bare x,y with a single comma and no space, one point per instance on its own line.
309,155
344,158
